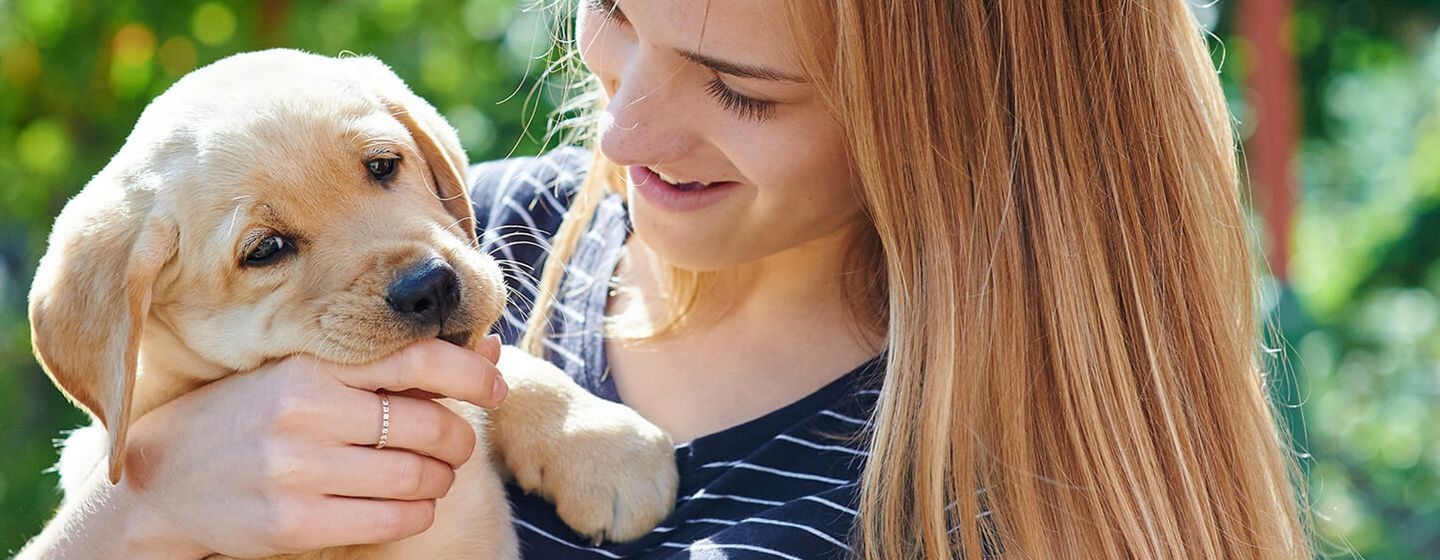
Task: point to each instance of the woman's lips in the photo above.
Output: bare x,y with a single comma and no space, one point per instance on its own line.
682,185
677,197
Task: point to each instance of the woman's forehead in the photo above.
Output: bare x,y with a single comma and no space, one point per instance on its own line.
748,32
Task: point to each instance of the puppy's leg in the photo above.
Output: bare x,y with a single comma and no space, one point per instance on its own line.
610,472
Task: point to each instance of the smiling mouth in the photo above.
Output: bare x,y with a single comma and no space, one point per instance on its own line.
681,185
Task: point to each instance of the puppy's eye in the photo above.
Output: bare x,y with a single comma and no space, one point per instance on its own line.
382,168
269,250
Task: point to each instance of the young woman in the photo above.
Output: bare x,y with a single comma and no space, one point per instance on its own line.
907,279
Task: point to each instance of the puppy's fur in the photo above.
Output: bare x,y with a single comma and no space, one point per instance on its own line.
152,287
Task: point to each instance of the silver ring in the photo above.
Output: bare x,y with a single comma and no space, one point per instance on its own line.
384,421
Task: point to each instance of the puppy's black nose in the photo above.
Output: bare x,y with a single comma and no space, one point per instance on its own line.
425,293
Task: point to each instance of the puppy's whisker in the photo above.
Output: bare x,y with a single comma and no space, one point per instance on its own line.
518,268
497,243
312,335
523,238
520,277
525,243
381,141
519,299
516,294
241,201
311,341
517,265
403,147
456,224
371,136
412,152
520,230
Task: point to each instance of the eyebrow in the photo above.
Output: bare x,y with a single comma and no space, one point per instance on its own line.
739,70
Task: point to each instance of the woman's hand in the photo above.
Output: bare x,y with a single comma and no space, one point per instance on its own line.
282,459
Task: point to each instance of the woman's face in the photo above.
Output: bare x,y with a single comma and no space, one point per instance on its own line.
730,156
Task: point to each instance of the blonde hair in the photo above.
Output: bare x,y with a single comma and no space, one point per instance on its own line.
1072,366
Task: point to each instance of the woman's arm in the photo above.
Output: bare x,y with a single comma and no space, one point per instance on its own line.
281,460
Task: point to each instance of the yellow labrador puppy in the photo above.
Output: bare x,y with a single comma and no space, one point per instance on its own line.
279,202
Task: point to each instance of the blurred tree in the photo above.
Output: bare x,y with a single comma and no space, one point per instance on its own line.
1364,314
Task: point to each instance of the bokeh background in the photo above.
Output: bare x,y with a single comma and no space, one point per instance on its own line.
1358,306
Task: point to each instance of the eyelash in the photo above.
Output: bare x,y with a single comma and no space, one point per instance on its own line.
607,9
745,106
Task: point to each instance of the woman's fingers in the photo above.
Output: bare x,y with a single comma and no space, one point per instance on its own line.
389,474
327,520
490,348
418,425
433,366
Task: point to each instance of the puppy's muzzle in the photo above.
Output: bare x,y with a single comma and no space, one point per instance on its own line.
425,294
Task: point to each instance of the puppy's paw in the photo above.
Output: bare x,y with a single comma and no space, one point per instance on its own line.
610,472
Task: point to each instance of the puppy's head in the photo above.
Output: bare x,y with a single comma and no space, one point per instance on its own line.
270,204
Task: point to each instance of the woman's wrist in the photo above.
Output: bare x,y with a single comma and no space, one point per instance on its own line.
146,533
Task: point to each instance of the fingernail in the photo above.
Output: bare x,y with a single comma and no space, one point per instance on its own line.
490,347
499,390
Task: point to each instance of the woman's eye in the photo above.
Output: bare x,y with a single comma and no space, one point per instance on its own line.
607,9
745,106
269,250
381,168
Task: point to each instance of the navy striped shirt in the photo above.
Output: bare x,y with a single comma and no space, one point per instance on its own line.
781,486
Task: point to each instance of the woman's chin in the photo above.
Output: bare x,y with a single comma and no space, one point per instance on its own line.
686,248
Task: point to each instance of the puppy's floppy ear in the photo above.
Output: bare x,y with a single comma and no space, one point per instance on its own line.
442,152
91,296
436,139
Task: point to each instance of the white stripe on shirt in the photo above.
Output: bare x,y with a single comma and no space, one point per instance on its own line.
834,414
784,473
831,504
716,546
813,445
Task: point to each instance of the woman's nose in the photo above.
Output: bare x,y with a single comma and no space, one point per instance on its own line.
644,122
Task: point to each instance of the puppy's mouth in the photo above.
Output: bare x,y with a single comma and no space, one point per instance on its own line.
458,338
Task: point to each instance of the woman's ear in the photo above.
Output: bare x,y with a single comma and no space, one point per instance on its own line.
91,296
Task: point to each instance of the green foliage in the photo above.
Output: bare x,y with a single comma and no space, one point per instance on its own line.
1361,315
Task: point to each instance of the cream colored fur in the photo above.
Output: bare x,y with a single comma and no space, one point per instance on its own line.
142,295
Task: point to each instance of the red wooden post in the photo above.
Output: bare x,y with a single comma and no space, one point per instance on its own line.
1271,86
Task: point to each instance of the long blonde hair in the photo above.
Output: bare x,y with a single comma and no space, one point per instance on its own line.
1072,339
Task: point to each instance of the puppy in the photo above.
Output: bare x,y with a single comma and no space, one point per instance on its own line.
279,202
